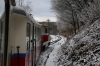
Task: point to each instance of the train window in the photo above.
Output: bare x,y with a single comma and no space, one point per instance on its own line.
1,33
38,34
33,37
35,34
46,30
28,35
34,31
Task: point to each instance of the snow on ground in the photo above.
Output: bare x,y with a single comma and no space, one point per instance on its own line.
83,49
53,37
50,56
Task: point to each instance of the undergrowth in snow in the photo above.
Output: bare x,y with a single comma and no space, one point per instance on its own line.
83,49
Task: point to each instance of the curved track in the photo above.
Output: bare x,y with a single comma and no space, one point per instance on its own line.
59,38
51,42
46,53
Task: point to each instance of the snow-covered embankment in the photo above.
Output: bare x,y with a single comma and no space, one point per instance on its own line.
83,49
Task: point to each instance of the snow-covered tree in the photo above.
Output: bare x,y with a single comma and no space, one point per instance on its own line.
76,12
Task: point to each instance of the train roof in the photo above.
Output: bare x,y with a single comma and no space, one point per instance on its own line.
18,10
21,11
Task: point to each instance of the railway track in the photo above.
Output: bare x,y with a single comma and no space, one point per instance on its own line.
53,42
59,38
43,60
46,44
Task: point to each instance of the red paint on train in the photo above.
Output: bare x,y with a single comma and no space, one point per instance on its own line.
15,61
1,59
45,38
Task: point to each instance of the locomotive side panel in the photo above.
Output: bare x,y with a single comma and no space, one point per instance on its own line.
17,38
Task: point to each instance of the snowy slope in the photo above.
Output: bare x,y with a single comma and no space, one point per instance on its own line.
83,49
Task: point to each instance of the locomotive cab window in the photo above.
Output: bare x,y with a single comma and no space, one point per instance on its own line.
46,29
28,36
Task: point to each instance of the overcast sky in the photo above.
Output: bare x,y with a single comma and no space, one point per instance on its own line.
41,10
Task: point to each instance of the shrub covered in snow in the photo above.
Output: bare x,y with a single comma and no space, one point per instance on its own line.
83,49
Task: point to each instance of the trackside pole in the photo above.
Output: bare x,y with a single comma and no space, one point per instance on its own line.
18,55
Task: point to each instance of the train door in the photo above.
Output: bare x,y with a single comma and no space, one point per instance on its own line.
33,45
28,42
28,35
1,38
1,34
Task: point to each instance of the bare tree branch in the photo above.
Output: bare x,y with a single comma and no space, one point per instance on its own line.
27,7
